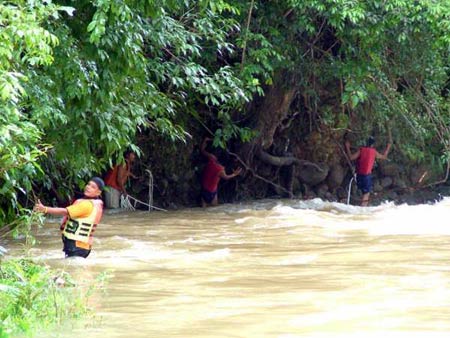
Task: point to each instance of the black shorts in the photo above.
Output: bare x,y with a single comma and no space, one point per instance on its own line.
71,250
364,183
208,196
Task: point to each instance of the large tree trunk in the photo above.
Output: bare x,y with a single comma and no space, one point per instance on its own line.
269,115
273,110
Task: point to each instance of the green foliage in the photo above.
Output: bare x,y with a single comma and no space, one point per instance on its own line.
83,81
78,84
380,61
34,297
185,46
24,45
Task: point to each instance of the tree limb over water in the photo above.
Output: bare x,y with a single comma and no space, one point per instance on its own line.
280,161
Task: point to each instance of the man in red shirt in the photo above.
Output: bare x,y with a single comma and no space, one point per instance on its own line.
212,174
116,179
365,159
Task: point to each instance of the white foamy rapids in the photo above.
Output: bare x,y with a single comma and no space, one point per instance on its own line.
385,219
424,219
141,252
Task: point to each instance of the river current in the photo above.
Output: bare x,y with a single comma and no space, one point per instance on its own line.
271,268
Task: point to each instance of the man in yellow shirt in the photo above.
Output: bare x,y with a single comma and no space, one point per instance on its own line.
80,219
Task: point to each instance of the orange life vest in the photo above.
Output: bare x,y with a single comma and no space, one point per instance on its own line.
82,229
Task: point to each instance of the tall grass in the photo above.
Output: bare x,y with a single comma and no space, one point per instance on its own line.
34,297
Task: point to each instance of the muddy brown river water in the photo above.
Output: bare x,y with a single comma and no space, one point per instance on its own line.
275,269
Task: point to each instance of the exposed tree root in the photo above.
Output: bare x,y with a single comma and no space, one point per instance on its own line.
280,161
254,174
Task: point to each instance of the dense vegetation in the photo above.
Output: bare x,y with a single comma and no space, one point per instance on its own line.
276,81
33,297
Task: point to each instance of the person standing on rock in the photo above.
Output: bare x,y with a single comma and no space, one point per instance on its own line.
212,174
365,159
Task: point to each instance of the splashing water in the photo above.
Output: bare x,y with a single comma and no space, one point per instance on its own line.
280,269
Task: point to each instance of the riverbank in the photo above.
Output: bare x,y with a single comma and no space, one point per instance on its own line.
412,196
35,297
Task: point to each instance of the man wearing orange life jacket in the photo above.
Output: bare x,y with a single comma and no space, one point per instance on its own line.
212,174
80,219
365,159
116,179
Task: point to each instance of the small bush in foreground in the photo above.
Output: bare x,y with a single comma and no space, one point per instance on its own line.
34,297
